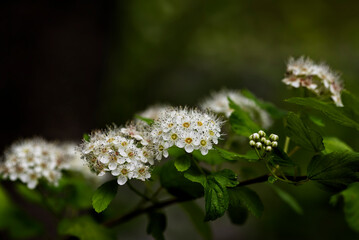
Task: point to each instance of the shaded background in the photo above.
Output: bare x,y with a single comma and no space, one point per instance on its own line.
71,66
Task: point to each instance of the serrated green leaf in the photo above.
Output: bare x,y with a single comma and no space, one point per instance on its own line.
183,163
226,178
238,214
334,171
337,114
351,204
302,135
104,195
177,184
156,225
240,121
274,111
216,199
84,228
149,121
289,199
333,144
279,157
316,120
213,157
231,156
247,198
351,104
196,215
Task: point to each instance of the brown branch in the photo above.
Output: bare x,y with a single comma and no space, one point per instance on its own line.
139,211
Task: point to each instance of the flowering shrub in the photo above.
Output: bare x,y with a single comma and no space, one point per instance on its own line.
181,154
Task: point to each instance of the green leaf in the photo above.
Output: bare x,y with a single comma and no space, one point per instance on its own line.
337,114
213,157
289,199
351,104
157,225
316,120
86,137
238,213
226,178
231,156
216,199
279,157
177,184
334,171
149,121
333,144
85,228
274,111
240,121
104,195
247,198
302,135
351,204
176,151
196,215
183,163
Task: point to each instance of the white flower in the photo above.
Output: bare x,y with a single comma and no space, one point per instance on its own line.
318,78
34,159
119,151
218,103
185,128
153,111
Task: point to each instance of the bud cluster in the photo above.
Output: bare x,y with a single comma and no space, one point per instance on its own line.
259,141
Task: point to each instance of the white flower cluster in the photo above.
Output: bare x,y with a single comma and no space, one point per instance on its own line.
259,141
218,103
318,78
185,128
124,152
33,159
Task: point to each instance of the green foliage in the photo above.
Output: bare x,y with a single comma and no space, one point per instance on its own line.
333,144
241,123
84,228
289,199
215,191
337,114
351,204
248,198
213,157
104,195
302,134
86,137
231,156
156,225
316,120
146,120
279,157
176,151
196,215
334,171
237,213
183,163
178,185
274,111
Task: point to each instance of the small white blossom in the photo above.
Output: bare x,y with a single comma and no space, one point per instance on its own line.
218,103
34,159
153,112
185,128
125,153
318,78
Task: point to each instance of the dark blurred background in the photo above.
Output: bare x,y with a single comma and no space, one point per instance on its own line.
71,66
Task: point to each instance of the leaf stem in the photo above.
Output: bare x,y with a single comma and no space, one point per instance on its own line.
286,144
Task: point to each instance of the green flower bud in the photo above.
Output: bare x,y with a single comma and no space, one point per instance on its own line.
263,139
255,136
273,137
252,143
268,148
261,133
251,137
274,144
258,145
268,143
